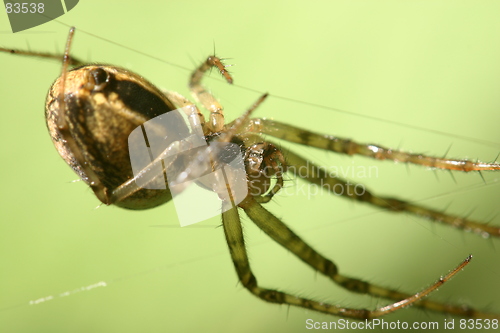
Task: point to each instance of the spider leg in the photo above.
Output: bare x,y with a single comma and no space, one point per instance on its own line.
130,187
346,146
279,232
318,176
195,118
72,61
209,102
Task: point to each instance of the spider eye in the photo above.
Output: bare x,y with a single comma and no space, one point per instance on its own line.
98,78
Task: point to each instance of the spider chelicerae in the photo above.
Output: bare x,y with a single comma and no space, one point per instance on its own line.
87,148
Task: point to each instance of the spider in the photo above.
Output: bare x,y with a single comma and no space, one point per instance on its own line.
110,177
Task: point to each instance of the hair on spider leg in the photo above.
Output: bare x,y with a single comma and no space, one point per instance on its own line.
221,67
496,158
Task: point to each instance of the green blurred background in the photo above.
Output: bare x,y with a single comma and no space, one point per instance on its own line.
435,65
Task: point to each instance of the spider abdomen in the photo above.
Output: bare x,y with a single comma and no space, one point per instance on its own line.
102,106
